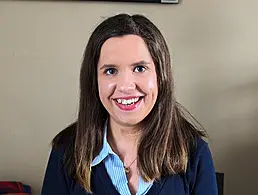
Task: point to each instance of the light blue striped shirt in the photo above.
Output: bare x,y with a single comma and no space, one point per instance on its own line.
115,170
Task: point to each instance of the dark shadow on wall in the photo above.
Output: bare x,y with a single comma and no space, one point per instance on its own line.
240,167
236,111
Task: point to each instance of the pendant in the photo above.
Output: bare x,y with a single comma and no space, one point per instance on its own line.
127,169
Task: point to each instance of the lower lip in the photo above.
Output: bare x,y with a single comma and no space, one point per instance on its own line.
130,107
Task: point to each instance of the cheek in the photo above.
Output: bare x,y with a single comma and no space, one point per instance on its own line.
105,89
152,84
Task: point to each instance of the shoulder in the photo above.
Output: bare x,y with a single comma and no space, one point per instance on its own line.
200,169
59,172
199,151
197,147
63,148
65,138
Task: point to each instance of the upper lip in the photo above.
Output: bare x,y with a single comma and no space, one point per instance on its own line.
128,97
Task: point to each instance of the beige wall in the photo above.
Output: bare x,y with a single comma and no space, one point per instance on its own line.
215,50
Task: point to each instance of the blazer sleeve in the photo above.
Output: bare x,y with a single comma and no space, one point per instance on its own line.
205,177
56,180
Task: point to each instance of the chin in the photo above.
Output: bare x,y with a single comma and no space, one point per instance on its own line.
129,121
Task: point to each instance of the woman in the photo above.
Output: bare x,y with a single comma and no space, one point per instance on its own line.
131,136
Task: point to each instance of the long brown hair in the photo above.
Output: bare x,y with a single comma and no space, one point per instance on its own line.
168,132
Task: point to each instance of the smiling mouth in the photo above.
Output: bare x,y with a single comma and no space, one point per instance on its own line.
128,102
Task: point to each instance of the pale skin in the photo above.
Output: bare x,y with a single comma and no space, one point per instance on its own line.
123,141
125,71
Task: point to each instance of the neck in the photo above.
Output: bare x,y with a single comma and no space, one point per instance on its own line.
123,140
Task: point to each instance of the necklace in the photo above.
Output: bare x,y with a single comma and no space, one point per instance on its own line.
127,168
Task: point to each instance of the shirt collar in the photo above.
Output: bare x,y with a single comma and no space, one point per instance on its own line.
105,151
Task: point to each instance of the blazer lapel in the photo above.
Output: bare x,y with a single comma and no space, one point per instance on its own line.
157,186
102,183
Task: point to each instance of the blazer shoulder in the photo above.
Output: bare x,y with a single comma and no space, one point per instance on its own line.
199,155
200,145
63,146
65,138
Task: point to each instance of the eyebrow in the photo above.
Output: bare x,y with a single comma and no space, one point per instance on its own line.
140,63
105,66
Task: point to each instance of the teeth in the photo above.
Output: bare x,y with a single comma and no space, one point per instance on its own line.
126,102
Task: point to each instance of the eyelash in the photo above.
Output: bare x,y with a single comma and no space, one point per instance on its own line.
113,69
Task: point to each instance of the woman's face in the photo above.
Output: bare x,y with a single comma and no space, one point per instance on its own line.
127,79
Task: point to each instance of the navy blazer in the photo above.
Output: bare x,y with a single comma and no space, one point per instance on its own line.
199,179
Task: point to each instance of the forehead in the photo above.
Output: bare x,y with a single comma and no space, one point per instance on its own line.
125,49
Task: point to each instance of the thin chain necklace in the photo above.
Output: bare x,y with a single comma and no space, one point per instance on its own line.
127,168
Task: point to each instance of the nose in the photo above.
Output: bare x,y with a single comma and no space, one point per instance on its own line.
126,83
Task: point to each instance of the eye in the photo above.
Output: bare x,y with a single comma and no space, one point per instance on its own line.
110,71
139,69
